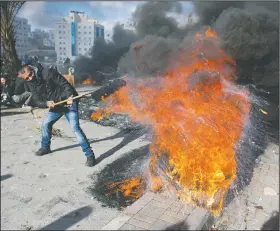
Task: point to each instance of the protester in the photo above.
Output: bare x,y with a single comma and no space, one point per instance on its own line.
7,90
45,93
15,94
34,61
70,77
21,96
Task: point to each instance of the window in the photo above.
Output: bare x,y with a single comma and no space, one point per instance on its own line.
85,27
97,31
102,32
59,32
59,37
79,49
85,32
59,26
63,26
85,49
89,32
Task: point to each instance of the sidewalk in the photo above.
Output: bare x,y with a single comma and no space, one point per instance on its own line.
257,203
248,211
157,212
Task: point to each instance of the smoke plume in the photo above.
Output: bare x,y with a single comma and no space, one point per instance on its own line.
248,32
208,11
151,19
105,55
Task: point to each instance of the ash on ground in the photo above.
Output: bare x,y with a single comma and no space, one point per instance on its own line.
132,164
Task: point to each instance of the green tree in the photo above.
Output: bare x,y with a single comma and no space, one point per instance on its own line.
9,59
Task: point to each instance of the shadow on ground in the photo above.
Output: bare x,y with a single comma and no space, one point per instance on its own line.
182,225
69,219
272,223
128,137
131,164
5,177
8,113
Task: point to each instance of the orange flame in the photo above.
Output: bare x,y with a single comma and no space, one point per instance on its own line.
87,81
130,188
197,114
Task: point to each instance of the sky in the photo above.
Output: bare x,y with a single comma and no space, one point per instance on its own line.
43,14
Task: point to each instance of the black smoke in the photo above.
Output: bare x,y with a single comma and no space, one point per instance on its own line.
154,27
104,56
209,11
150,59
151,19
159,37
250,35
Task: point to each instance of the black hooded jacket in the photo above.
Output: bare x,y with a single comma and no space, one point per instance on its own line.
55,88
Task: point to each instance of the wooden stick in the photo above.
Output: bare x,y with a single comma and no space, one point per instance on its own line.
76,97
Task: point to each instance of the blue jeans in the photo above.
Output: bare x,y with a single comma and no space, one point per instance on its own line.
71,114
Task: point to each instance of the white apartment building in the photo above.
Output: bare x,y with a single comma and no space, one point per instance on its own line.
75,35
22,33
49,41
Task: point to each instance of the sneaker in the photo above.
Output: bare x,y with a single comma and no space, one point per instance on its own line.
90,161
43,151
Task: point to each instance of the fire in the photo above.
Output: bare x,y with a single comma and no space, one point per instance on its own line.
87,81
130,188
197,114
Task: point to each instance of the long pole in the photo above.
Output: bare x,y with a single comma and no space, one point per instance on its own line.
76,97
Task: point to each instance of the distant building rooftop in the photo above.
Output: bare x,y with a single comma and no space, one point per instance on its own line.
77,12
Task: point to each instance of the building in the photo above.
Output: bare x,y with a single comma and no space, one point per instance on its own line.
22,34
47,42
75,35
51,36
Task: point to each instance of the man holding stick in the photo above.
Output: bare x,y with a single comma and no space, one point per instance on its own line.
45,94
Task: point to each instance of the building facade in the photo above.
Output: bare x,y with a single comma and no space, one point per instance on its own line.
74,35
22,34
51,36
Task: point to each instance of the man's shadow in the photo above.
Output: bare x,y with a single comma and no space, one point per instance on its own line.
272,223
128,136
69,219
